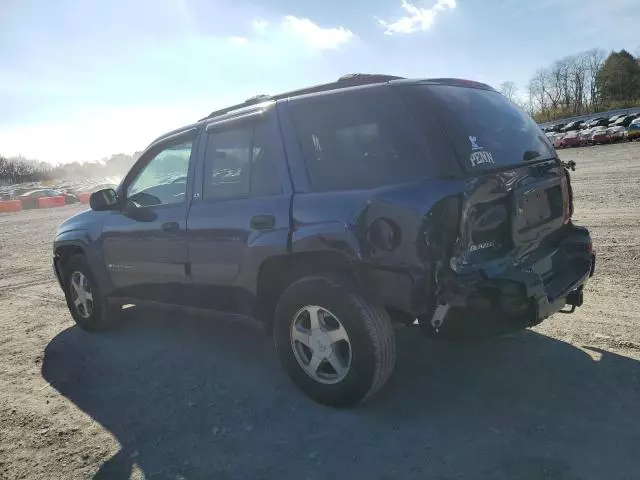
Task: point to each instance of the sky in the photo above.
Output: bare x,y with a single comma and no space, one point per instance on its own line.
83,79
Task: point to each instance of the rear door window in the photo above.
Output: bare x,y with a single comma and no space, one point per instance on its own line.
486,129
241,162
357,140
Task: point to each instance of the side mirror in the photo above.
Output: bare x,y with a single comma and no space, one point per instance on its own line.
103,199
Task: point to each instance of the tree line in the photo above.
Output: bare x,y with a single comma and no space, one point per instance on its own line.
585,83
14,170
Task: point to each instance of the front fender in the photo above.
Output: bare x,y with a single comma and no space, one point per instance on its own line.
82,239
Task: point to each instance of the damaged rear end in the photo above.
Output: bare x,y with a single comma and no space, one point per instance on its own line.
503,251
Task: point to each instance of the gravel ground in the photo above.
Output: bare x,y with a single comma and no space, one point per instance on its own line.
187,397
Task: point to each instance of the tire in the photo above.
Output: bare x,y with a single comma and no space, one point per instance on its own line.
94,315
371,341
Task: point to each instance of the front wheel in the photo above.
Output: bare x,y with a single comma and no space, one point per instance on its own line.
86,304
337,347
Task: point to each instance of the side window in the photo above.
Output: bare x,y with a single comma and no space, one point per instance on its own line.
164,179
240,162
227,161
264,170
356,140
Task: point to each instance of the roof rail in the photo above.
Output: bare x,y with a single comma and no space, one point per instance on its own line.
350,80
257,99
460,82
368,78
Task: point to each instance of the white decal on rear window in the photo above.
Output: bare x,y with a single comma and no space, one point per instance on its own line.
474,143
481,158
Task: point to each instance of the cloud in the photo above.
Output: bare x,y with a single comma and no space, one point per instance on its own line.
307,32
418,18
239,40
260,25
315,36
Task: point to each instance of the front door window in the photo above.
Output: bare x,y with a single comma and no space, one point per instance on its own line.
163,180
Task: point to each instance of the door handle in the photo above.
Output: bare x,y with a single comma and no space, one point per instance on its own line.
263,222
170,227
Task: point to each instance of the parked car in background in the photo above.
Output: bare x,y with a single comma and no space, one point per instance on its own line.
598,122
599,135
614,118
617,133
570,139
633,132
585,136
553,135
30,199
557,140
624,121
70,197
577,125
23,189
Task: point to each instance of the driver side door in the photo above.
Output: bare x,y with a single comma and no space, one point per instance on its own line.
144,241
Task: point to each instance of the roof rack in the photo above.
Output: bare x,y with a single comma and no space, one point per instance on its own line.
349,80
460,82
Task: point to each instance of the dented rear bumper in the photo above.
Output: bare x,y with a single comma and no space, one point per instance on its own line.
526,294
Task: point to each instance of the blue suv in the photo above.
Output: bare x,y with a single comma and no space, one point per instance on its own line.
332,211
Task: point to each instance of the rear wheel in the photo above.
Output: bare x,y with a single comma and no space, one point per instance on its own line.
337,347
86,304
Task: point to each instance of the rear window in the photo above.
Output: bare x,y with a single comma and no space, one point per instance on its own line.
487,130
358,140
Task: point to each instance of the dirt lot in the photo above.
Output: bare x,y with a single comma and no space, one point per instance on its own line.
174,396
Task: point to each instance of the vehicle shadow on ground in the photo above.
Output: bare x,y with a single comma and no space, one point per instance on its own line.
194,397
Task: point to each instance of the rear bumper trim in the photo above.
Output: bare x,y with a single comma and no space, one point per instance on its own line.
532,291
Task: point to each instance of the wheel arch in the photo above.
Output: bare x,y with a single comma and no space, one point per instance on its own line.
62,252
277,273
66,248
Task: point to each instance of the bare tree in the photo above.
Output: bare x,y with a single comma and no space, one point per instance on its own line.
537,92
594,59
567,87
577,83
509,90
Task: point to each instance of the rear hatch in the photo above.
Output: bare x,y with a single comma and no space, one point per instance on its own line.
516,193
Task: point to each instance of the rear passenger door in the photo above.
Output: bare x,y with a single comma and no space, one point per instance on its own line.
240,215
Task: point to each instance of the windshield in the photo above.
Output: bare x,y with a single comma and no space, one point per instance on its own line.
487,130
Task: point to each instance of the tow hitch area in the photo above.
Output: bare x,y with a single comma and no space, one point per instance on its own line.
438,316
574,299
